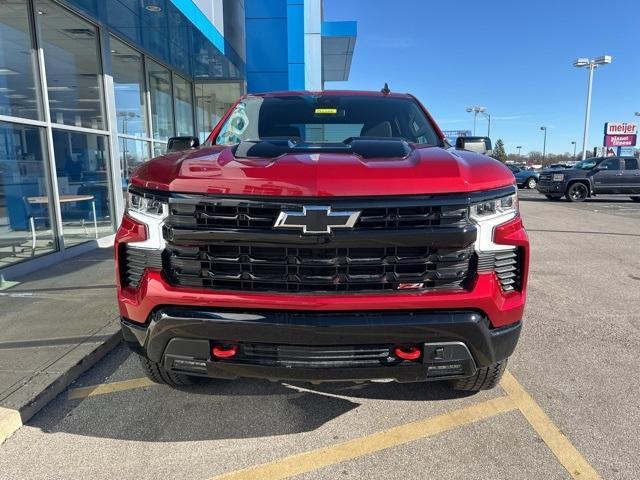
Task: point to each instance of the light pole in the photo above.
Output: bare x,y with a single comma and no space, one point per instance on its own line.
591,64
476,110
544,145
519,147
574,149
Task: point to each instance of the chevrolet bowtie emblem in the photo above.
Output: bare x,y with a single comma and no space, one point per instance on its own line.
316,219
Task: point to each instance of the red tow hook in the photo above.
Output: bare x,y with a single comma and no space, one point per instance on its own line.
224,351
407,353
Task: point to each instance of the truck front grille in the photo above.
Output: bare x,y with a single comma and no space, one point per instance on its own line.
295,269
251,214
401,243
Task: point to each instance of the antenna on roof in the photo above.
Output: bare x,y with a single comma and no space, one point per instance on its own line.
385,90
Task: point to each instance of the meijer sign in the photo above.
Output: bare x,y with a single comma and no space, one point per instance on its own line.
617,128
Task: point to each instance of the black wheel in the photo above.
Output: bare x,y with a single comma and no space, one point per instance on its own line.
157,373
553,197
577,192
531,183
635,199
485,378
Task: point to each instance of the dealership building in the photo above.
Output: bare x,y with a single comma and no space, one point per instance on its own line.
89,89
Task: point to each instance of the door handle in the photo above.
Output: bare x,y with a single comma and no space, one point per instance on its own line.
619,174
637,175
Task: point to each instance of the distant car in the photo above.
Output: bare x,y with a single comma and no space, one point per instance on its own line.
524,178
593,176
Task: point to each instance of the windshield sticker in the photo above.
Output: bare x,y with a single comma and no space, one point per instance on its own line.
326,111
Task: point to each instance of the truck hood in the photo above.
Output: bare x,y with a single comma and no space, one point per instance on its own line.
424,170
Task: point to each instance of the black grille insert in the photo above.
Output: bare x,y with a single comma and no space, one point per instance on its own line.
507,266
249,215
133,262
315,356
295,269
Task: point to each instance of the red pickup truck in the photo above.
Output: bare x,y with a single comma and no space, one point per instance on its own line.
323,236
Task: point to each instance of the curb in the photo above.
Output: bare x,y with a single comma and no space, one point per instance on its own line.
12,419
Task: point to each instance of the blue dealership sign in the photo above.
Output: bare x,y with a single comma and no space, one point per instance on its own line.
452,135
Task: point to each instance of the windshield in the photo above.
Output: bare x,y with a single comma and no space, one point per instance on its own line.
587,164
327,119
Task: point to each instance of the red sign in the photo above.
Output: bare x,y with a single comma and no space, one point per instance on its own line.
620,140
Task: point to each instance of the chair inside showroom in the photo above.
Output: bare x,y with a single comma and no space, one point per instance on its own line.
36,215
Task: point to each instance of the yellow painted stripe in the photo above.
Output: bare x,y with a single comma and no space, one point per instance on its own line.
10,421
103,388
565,452
323,457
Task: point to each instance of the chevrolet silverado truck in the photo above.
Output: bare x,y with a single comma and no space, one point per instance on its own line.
323,236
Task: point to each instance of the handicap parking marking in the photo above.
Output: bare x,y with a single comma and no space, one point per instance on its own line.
315,459
568,456
105,388
517,398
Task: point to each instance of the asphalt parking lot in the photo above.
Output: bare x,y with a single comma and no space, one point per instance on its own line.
568,408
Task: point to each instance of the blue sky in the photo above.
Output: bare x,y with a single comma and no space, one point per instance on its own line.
512,57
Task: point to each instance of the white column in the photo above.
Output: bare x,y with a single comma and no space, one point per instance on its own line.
313,45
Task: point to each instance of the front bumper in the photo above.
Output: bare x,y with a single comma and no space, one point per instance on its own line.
551,187
453,343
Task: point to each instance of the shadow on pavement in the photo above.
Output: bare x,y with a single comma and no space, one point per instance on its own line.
218,409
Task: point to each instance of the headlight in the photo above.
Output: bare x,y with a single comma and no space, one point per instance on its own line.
152,212
147,206
558,177
496,207
487,215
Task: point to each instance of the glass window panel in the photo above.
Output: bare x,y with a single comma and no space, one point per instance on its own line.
161,102
212,102
132,154
25,217
19,95
73,71
128,81
183,106
83,185
159,149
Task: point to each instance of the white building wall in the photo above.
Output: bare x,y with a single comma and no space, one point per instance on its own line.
313,44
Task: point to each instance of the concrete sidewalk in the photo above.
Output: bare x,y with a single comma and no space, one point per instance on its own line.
54,325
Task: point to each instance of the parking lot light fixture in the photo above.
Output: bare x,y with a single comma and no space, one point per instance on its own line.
591,64
519,147
574,149
544,144
476,110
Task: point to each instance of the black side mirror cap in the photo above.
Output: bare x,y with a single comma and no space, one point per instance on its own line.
177,144
475,144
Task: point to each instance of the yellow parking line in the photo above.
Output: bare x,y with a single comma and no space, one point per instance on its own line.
323,457
565,452
76,393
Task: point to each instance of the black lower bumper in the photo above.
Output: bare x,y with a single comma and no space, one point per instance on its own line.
550,188
322,346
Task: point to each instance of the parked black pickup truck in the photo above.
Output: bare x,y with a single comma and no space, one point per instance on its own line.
593,176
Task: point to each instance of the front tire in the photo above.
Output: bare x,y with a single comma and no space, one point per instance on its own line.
158,374
485,378
577,192
531,183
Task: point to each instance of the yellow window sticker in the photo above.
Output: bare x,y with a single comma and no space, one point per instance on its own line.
326,111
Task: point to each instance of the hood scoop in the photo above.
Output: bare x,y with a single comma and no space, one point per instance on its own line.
365,147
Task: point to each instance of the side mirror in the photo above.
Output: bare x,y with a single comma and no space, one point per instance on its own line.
475,144
177,144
